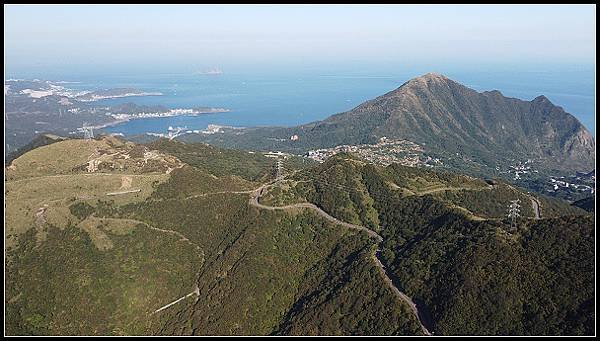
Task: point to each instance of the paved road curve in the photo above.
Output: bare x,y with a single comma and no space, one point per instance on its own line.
254,202
387,280
536,207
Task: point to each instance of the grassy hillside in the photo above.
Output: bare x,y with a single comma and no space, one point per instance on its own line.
68,285
70,272
162,244
104,264
218,161
40,140
109,155
251,166
262,258
341,187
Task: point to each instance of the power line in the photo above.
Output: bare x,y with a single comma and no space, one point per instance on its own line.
319,179
88,132
514,211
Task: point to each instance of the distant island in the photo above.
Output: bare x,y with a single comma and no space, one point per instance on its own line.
211,71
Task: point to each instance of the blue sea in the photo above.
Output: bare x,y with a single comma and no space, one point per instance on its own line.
292,96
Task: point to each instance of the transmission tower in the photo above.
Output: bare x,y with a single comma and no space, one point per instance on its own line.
88,132
279,171
514,211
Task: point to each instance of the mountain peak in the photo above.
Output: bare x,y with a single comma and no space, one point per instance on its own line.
427,80
433,76
430,77
441,113
541,98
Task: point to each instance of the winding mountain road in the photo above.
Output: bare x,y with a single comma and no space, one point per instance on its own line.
535,204
257,193
254,201
399,293
387,280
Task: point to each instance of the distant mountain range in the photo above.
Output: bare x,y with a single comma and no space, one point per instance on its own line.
444,117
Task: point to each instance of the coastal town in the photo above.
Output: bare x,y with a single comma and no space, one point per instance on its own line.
173,132
385,152
167,113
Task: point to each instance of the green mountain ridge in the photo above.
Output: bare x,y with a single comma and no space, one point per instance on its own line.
173,238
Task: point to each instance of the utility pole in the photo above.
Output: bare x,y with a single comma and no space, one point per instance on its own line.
514,211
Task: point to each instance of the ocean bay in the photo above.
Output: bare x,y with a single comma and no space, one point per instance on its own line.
298,96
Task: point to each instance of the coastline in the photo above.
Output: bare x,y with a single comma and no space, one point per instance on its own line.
95,98
127,118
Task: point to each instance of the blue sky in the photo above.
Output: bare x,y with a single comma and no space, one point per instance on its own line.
71,36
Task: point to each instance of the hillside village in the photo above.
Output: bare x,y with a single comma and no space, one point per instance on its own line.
384,152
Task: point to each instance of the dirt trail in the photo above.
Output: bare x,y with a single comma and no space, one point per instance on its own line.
216,193
181,236
70,175
195,292
124,192
449,189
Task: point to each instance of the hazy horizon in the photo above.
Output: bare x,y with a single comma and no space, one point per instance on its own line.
237,36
